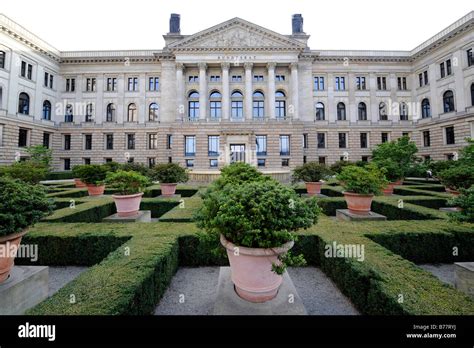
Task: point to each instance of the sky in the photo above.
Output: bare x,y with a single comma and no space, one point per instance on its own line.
139,24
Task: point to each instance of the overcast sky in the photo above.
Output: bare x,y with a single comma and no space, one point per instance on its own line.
140,24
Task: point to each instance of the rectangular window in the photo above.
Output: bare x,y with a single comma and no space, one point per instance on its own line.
67,142
151,162
426,139
280,78
304,159
86,160
384,137
133,84
406,134
365,158
152,141
381,83
285,162
67,163
29,75
360,83
363,140
108,159
23,137
425,74
261,141
442,70
70,85
109,141
189,163
258,108
284,145
169,141
420,78
318,83
90,84
46,140
257,78
470,58
213,145
342,140
154,84
51,81
213,163
2,60
450,139
448,67
111,84
261,162
322,160
402,83
236,78
46,79
131,160
190,145
131,141
193,79
305,140
340,83
23,69
321,140
88,142
216,78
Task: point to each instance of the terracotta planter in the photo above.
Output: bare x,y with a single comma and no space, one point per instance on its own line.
8,243
388,191
79,183
398,182
127,205
452,192
95,190
251,270
358,204
168,190
313,188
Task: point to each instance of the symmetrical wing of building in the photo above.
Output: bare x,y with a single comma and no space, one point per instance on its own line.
235,91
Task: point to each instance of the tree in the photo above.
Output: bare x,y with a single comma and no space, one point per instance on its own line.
40,155
402,151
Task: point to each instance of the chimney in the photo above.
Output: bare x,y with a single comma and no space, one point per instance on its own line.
297,24
174,24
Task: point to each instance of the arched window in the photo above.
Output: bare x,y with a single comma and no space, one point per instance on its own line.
69,114
24,104
47,110
383,112
362,110
193,105
258,105
110,114
472,94
237,105
215,107
425,108
403,112
89,111
341,111
320,112
153,112
280,104
448,101
132,115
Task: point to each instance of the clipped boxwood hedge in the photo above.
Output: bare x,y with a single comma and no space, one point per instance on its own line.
59,176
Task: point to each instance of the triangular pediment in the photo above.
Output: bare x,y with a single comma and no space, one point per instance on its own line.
237,34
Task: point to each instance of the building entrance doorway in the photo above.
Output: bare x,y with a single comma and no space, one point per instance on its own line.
237,153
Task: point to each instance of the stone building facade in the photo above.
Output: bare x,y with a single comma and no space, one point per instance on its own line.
235,91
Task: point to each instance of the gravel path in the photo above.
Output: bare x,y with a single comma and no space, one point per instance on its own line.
193,290
60,276
442,271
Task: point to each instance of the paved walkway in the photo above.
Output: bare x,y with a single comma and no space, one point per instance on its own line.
442,271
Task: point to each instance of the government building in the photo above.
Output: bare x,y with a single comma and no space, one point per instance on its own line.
233,92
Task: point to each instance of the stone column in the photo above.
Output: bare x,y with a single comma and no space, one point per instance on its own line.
202,91
225,91
294,91
248,90
180,109
271,90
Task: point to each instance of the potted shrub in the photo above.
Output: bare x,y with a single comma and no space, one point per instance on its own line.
129,185
312,173
76,173
26,171
361,184
464,203
21,205
169,175
255,223
393,173
93,175
459,176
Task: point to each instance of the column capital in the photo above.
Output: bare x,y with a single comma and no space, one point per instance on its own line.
294,65
202,66
179,66
271,65
248,65
225,65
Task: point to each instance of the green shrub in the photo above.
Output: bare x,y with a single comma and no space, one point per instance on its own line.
458,176
169,173
92,174
466,155
392,169
40,156
76,170
256,214
419,169
465,201
367,180
59,176
112,166
126,182
136,167
438,166
25,171
310,172
402,151
337,167
21,205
